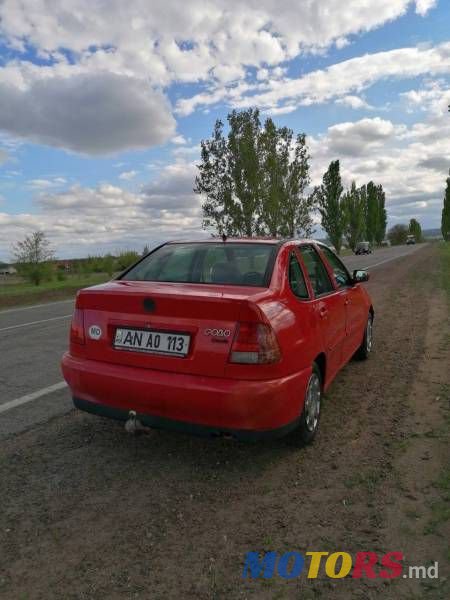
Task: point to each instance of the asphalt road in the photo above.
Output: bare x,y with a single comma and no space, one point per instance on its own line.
32,340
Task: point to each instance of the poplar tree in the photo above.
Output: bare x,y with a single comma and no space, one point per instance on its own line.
445,223
328,197
353,206
254,178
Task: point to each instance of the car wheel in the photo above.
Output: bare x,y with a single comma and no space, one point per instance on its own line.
310,417
365,349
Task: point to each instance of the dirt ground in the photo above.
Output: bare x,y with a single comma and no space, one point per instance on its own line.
88,512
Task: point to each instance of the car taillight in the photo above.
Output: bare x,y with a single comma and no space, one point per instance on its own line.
254,344
77,327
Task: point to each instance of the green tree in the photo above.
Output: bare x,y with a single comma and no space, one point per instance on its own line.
286,211
244,156
363,196
328,197
372,212
215,182
126,258
353,207
445,223
254,178
274,145
381,221
397,235
297,207
32,256
415,229
230,176
108,264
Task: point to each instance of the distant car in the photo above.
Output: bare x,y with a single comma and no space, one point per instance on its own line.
236,338
410,240
363,248
7,270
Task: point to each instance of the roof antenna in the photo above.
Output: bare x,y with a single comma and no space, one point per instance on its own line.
224,237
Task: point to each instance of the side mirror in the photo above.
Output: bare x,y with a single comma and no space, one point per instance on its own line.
359,276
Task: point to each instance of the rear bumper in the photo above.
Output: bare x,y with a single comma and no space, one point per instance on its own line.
200,405
246,435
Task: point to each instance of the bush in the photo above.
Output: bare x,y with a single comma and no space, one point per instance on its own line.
126,258
398,234
108,264
36,273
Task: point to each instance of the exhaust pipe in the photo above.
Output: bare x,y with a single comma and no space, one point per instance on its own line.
133,425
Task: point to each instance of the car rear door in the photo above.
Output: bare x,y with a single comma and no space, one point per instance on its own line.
329,306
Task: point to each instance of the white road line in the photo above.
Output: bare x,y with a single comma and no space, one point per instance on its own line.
33,396
34,323
10,310
387,260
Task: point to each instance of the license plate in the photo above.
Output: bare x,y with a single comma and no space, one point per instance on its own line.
155,342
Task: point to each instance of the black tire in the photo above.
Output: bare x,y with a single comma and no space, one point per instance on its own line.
306,431
365,349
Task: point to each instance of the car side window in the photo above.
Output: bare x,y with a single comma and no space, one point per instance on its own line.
317,273
296,279
340,273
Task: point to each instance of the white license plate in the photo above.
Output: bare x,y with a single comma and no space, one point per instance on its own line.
148,340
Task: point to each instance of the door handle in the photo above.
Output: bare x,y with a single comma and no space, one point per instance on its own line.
323,312
347,301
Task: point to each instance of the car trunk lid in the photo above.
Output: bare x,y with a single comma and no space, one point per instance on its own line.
208,314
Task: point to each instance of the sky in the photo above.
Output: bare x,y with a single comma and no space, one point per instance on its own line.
103,105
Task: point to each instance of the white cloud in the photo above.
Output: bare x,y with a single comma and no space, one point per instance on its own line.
189,41
433,97
44,184
410,162
423,6
342,42
354,102
354,138
40,183
84,220
4,156
187,152
337,81
91,114
179,140
127,175
142,50
173,189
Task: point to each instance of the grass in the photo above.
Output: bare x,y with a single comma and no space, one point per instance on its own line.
440,515
18,293
7,289
369,479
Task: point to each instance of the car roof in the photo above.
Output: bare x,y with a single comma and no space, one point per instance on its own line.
246,240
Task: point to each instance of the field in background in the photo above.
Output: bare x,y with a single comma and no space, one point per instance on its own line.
16,292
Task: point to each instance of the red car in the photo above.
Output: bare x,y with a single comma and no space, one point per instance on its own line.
236,338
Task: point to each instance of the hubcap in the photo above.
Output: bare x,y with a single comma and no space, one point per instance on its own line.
369,335
312,402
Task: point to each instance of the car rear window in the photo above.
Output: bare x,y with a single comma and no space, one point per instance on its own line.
215,263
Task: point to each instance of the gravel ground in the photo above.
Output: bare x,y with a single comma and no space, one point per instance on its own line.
89,512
